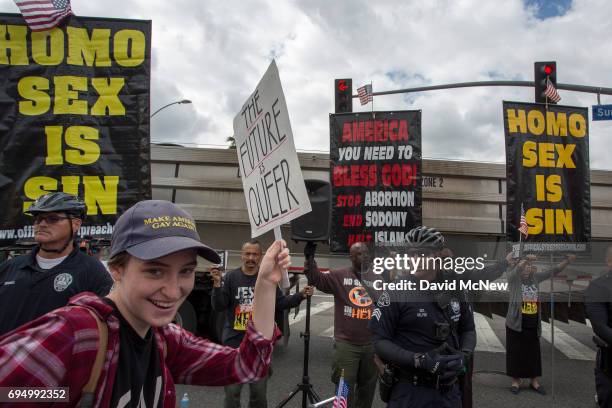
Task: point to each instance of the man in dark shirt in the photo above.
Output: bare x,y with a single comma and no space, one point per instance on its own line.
353,349
235,295
598,303
47,277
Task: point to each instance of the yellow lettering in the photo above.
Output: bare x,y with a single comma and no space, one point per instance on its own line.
66,91
577,125
129,48
530,157
556,124
54,145
546,154
16,43
516,121
540,191
70,184
34,187
108,89
565,155
553,188
33,90
564,221
102,194
549,225
534,220
86,151
554,222
92,51
535,121
48,47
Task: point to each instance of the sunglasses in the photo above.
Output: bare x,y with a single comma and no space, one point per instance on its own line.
49,219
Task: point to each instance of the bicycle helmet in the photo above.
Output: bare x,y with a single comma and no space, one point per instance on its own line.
59,202
425,237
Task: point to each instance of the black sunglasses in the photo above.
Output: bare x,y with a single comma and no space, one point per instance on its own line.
49,219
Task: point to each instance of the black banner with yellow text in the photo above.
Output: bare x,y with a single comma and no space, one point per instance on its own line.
376,177
74,117
547,174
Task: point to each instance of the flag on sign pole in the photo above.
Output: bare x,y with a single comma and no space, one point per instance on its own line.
342,394
523,228
550,92
42,15
365,94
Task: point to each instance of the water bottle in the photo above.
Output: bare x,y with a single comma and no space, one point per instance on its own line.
185,401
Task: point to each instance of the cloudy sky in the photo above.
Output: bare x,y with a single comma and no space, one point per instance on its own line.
215,52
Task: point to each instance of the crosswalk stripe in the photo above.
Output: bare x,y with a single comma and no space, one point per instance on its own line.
567,345
318,308
486,339
328,332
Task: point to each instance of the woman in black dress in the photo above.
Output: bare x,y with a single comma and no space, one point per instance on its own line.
523,323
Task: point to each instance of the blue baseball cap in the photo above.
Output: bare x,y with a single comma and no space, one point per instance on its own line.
155,228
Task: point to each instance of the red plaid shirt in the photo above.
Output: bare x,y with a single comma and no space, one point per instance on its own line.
59,349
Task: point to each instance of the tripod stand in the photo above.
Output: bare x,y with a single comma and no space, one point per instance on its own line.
305,386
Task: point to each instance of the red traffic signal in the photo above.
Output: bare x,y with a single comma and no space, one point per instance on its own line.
343,98
541,72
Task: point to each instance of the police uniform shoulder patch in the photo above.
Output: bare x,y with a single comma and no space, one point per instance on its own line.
62,281
455,309
384,300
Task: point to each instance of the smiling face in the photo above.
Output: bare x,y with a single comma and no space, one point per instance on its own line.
149,293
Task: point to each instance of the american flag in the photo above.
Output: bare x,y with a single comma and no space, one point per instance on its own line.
550,92
42,15
365,94
342,394
523,228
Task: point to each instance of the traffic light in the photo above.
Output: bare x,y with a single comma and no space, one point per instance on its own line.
541,71
343,92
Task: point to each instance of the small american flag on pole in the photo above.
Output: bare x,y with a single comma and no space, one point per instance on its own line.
342,394
42,15
365,94
550,91
523,228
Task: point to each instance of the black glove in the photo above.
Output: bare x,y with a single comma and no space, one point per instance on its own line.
436,363
452,370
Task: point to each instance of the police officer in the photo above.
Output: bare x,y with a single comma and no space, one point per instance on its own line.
425,334
55,270
598,303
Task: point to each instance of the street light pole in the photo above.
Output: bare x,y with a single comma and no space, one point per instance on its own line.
170,104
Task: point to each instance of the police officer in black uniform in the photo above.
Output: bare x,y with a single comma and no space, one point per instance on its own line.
55,270
425,335
598,303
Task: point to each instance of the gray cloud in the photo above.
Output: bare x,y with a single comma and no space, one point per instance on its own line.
214,53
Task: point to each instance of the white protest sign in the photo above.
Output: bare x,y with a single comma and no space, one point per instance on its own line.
271,176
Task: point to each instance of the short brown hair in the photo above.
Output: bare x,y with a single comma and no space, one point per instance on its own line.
119,260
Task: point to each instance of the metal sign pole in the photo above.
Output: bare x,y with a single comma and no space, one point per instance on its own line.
552,327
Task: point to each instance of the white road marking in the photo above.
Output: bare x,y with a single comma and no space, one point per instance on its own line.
486,339
328,332
318,308
568,345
